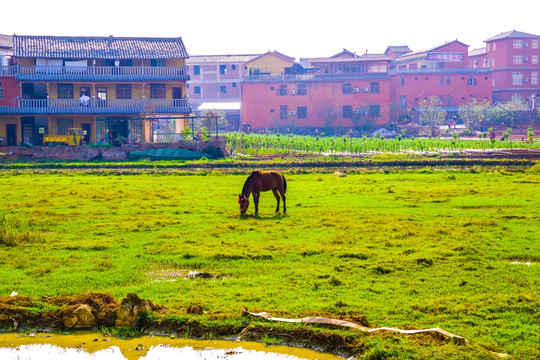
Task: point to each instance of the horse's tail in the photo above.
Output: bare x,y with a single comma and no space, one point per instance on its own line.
284,184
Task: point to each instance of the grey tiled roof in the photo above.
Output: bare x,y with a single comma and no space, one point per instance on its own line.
81,47
196,59
512,34
6,41
478,52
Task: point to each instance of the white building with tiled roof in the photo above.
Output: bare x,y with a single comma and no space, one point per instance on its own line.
215,83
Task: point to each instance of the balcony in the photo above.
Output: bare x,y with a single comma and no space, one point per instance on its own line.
97,107
441,71
316,77
96,73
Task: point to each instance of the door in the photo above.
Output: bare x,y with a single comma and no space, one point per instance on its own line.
87,131
11,133
27,126
177,95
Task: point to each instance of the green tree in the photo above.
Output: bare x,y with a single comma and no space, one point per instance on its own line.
207,119
473,113
432,113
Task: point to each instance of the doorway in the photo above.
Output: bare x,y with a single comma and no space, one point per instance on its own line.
177,95
87,130
11,133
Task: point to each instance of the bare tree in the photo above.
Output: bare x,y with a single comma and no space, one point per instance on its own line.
432,113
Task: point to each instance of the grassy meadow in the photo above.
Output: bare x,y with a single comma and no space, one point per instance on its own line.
459,250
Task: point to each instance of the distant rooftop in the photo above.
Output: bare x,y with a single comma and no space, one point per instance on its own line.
478,52
83,47
221,58
512,34
6,41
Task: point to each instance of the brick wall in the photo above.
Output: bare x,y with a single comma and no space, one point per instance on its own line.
105,153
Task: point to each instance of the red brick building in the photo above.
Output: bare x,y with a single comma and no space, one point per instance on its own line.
342,91
513,59
443,71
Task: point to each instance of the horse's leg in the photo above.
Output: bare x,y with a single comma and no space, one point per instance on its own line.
277,198
256,201
284,205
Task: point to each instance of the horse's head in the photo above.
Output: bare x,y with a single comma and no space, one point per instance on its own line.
244,203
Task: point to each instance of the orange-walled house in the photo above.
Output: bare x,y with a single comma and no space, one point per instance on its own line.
342,91
108,86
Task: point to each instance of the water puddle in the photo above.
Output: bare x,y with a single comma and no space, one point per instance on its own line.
90,346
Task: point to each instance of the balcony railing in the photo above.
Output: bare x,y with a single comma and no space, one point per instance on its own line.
444,71
97,106
316,77
96,73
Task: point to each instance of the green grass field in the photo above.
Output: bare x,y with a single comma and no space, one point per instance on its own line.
458,250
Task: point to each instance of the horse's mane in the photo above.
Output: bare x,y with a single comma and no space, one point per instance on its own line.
249,180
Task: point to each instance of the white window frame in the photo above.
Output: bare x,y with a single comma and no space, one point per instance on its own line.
535,44
518,44
518,59
517,78
534,78
534,59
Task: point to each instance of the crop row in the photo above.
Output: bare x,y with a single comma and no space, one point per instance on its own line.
265,144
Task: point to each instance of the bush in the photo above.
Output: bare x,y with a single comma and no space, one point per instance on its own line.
214,152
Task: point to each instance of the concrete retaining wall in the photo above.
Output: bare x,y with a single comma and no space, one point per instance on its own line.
105,153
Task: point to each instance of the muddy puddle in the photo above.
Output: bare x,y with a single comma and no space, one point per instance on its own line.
85,346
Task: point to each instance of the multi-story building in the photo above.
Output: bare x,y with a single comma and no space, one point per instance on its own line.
341,91
215,83
441,71
111,87
513,58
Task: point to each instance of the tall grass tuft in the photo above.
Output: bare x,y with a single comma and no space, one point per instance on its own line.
14,232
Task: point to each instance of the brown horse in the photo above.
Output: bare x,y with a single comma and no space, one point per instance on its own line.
262,181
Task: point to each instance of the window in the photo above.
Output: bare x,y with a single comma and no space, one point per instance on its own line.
441,80
196,70
157,91
534,44
196,89
534,59
492,62
64,125
472,81
374,111
403,102
518,44
282,90
447,80
283,112
223,89
233,66
301,89
346,88
347,112
222,69
102,93
449,100
123,91
518,59
302,112
84,91
374,87
534,78
65,91
517,78
157,62
1,93
401,81
233,84
494,46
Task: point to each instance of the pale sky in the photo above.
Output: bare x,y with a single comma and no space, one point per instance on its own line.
297,28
